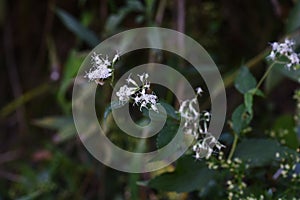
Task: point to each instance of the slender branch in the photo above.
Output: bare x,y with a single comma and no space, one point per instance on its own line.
233,147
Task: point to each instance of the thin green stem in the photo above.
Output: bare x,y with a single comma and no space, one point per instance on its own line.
264,76
267,73
235,140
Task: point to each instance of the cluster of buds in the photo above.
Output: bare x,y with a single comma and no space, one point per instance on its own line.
138,93
286,49
196,123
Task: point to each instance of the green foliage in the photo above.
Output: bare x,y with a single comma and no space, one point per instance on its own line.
114,20
244,81
72,65
285,131
63,125
240,119
188,176
77,28
294,19
113,105
258,152
168,132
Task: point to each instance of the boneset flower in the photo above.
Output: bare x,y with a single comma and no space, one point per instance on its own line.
287,49
101,68
196,123
138,93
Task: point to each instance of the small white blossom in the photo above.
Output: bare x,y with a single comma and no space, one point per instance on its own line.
285,49
100,70
196,123
146,100
199,90
124,93
138,93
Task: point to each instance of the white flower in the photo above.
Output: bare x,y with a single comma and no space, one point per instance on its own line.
202,150
116,57
138,93
131,81
272,55
196,123
199,90
146,100
144,79
285,49
125,93
100,70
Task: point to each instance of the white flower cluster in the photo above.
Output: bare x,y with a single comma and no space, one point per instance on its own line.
196,124
139,95
101,68
287,49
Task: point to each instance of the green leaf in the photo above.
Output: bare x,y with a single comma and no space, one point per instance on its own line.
188,176
273,79
71,68
244,81
256,92
293,22
240,118
285,126
113,105
291,74
78,29
64,126
283,70
170,110
165,136
258,152
114,21
65,133
248,100
53,122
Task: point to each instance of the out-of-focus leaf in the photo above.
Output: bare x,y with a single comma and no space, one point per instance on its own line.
258,152
149,8
71,68
113,105
189,175
65,133
165,136
282,69
170,110
294,19
53,122
291,74
244,81
114,20
272,80
73,25
285,126
72,64
64,126
240,118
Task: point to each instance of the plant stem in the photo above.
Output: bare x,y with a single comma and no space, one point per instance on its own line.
235,140
266,74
